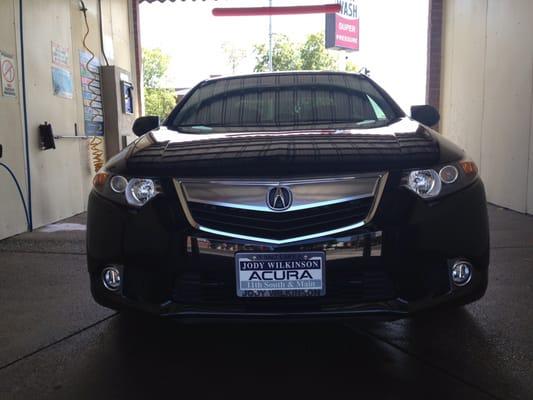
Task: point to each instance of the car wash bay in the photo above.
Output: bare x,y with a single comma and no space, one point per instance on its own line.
56,343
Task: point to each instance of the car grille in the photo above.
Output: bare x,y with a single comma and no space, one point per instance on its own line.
283,225
317,207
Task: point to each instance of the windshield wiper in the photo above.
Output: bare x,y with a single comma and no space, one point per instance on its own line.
366,122
301,124
196,127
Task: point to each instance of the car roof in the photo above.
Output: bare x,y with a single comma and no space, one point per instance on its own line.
281,73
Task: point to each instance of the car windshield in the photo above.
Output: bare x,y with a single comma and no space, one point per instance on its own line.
282,102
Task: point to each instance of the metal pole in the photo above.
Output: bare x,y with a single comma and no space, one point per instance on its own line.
270,39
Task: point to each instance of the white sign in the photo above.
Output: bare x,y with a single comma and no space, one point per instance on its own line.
60,55
8,75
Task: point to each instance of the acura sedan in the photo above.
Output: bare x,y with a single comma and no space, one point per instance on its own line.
288,195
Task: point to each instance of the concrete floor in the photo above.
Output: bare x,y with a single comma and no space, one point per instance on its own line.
55,342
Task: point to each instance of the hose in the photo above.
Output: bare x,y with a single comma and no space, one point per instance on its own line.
93,73
28,210
97,154
20,193
84,10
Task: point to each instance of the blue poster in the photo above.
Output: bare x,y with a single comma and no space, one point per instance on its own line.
62,82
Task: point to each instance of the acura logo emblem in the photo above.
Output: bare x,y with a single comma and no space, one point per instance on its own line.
279,198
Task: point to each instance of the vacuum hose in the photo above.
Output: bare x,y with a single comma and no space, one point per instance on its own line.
20,193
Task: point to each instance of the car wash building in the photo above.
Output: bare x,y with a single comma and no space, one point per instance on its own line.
56,102
52,99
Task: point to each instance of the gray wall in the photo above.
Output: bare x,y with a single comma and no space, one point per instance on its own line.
487,93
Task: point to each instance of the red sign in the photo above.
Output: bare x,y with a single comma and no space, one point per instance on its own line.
7,76
342,29
8,71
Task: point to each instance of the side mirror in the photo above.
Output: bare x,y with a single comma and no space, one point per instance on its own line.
145,124
427,115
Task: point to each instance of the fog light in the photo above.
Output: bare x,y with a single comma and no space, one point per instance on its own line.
111,278
461,272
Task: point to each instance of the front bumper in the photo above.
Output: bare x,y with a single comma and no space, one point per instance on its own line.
396,266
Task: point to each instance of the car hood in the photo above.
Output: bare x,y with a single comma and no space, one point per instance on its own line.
403,144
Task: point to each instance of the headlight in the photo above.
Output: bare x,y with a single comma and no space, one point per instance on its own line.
425,183
118,184
445,179
135,192
448,174
140,191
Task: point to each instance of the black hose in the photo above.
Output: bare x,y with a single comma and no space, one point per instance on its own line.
83,9
93,73
20,193
29,216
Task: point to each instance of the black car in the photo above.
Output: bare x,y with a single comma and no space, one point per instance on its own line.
288,195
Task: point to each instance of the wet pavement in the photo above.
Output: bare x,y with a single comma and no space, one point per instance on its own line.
56,343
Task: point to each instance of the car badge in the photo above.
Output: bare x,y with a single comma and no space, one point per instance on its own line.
279,198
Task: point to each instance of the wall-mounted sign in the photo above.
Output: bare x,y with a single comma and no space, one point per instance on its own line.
93,112
60,55
342,29
8,75
62,82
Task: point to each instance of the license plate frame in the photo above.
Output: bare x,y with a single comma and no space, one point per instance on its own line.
265,264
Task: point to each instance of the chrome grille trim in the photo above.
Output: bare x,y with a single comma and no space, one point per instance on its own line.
377,192
307,193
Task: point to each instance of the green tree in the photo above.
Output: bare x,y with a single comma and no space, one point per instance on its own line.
351,67
285,55
290,56
157,100
155,65
314,56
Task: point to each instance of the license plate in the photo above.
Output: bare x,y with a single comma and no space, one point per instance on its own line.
300,274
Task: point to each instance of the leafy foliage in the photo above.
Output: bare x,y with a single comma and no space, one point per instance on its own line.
290,56
157,101
314,56
155,65
351,67
285,55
